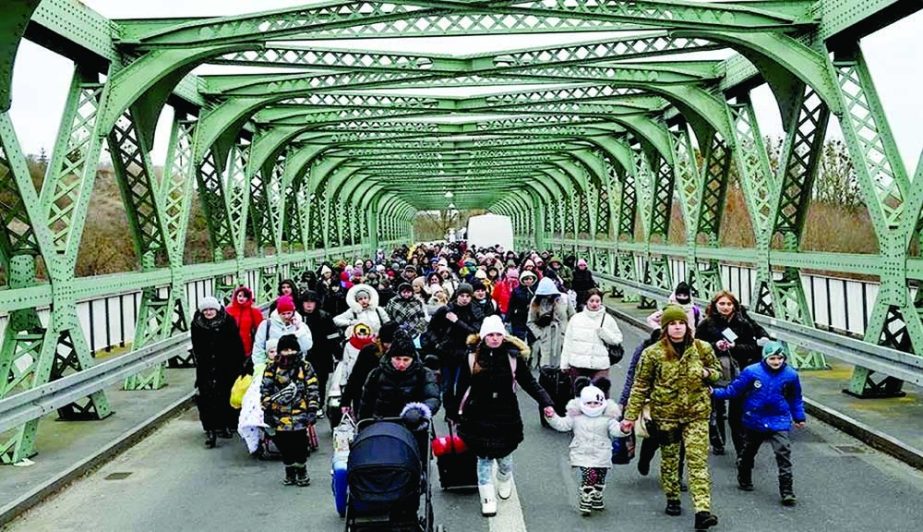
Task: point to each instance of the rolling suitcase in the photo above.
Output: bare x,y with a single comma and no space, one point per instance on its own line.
457,467
558,386
313,444
338,481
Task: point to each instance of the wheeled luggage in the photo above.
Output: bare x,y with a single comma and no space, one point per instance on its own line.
558,386
457,466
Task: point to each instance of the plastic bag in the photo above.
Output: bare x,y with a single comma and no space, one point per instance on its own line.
623,449
239,389
343,435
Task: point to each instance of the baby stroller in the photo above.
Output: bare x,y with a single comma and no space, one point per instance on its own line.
387,472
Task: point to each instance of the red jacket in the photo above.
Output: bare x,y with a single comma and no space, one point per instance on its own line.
248,318
502,292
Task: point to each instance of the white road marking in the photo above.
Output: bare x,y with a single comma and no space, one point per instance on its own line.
509,514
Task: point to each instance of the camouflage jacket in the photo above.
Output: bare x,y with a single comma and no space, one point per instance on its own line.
289,396
676,389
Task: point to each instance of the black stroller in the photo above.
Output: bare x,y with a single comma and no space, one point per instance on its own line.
387,472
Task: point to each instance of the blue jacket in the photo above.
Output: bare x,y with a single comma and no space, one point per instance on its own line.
773,397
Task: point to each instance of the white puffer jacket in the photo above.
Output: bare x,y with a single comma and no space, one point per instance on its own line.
586,338
373,316
592,443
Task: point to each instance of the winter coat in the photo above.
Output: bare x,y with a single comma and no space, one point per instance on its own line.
218,352
368,358
693,315
275,328
453,337
487,305
502,293
326,339
564,273
490,422
520,299
592,443
773,397
745,350
247,317
373,316
334,295
675,387
295,409
408,313
585,340
582,281
388,390
632,367
549,340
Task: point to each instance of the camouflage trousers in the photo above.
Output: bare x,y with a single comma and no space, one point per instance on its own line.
694,435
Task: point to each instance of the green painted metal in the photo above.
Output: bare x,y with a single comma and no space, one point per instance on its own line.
585,144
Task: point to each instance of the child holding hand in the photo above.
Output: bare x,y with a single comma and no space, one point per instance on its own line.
594,421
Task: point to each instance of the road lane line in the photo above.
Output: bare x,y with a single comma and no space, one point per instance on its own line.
509,515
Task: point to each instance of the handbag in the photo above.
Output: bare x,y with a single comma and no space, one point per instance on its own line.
239,389
615,351
641,428
623,449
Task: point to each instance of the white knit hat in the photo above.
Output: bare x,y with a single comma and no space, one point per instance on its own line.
592,394
209,302
492,324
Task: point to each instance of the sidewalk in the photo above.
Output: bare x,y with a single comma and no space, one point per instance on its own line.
69,449
890,425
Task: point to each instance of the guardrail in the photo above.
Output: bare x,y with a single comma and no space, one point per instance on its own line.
898,364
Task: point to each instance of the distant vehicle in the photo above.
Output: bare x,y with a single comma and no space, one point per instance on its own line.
490,230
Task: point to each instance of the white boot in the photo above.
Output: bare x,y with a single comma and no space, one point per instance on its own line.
488,500
505,486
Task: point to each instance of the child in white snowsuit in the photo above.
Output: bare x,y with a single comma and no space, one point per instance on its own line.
594,420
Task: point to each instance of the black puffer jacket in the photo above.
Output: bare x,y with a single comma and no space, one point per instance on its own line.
388,390
490,423
218,351
454,336
745,350
326,337
518,312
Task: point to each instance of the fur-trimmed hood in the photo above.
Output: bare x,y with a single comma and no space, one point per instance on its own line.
351,297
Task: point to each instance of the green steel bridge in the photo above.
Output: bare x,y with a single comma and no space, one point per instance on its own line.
332,153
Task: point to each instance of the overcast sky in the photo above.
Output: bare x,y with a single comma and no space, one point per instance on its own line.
41,78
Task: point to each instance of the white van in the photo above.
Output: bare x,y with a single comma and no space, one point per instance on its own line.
490,230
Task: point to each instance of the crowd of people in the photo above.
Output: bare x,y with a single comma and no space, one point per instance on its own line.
444,326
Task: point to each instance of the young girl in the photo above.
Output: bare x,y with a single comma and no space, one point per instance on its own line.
594,421
290,400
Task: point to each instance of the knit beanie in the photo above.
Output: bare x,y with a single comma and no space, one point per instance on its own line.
492,324
402,346
592,394
386,332
673,313
272,344
209,302
464,288
581,262
285,304
477,284
773,348
310,295
288,343
512,273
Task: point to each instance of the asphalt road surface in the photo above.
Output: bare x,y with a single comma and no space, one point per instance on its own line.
171,482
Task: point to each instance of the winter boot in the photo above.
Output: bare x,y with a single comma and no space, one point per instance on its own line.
210,437
289,479
488,500
787,493
301,476
586,500
598,502
705,520
745,479
673,507
504,486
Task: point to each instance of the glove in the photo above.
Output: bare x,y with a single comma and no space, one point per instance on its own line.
544,320
413,417
762,341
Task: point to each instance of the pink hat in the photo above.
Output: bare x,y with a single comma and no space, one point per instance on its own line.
581,262
285,304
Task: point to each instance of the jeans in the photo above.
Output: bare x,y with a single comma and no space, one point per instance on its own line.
781,446
486,465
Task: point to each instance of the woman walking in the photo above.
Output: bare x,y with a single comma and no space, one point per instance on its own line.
674,375
586,340
548,317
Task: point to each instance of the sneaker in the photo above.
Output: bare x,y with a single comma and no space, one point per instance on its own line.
320,414
289,479
301,477
705,520
210,437
673,507
683,486
789,499
745,480
586,500
644,468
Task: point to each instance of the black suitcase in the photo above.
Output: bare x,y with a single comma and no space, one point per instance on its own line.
557,384
457,470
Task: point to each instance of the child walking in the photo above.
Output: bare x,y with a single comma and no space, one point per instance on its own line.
594,421
772,403
289,396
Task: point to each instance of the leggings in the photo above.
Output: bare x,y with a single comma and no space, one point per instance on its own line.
593,476
293,444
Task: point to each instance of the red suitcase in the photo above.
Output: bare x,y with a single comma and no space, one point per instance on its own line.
457,469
